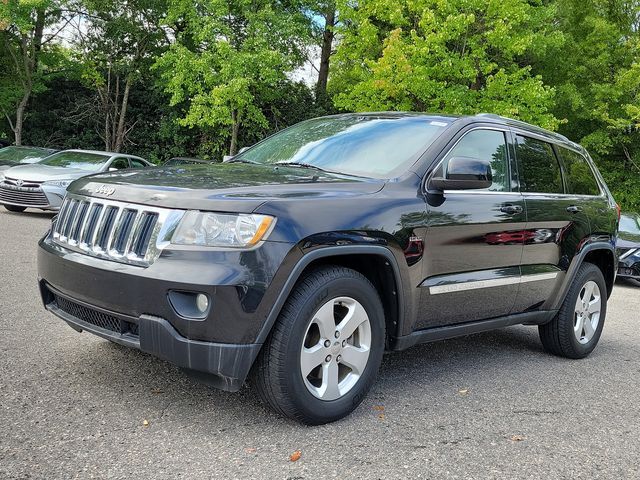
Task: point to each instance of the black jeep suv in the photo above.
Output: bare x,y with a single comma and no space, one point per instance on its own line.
303,258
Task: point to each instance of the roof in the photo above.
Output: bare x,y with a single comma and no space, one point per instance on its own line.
480,117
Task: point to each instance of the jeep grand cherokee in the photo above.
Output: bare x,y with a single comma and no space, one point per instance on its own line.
300,260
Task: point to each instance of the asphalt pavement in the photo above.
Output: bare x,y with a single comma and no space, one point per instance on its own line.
492,405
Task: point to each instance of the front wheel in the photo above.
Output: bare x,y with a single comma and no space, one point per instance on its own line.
325,349
576,329
15,208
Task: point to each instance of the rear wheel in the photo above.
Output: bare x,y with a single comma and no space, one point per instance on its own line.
325,349
15,208
576,329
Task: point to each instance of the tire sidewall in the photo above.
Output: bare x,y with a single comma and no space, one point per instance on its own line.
323,411
589,274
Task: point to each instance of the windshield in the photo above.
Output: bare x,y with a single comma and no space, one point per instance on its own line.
91,162
369,146
629,224
21,154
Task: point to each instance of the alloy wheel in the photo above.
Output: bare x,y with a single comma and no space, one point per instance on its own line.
587,312
335,349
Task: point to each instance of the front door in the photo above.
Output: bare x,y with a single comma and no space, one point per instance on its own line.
473,243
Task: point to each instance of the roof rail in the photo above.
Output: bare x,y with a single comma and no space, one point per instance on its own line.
520,123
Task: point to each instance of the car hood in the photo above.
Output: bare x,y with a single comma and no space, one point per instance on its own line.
232,187
42,173
628,240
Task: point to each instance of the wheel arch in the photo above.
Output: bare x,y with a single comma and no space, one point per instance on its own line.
601,254
376,263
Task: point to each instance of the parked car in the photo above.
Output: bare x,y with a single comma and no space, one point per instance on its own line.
44,184
306,256
177,161
628,246
12,156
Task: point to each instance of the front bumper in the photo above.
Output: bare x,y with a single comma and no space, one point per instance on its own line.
131,305
44,197
629,264
225,365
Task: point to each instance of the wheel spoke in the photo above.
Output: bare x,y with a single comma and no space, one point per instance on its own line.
588,329
588,292
355,358
310,358
354,318
594,306
579,326
330,390
325,320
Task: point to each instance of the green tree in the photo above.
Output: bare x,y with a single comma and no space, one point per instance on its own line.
30,53
458,56
226,54
116,46
596,75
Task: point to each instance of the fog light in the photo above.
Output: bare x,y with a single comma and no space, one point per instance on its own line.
202,302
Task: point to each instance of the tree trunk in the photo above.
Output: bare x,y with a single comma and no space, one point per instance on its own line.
22,106
123,114
235,117
30,64
325,53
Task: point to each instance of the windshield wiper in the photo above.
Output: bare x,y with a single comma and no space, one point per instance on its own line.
240,160
302,165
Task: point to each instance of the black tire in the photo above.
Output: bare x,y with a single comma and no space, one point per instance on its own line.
558,335
277,376
15,208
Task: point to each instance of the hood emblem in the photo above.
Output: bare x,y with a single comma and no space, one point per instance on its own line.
19,182
105,190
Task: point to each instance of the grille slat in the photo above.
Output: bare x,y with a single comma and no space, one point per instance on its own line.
87,234
34,196
112,230
94,317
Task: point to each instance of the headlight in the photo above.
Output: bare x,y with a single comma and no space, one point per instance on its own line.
59,183
222,230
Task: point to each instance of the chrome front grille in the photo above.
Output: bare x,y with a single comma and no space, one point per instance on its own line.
112,230
26,193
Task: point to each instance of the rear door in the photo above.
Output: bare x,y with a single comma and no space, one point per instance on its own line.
473,243
556,221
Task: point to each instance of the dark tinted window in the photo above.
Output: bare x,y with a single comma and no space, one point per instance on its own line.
580,179
119,164
137,163
484,145
538,167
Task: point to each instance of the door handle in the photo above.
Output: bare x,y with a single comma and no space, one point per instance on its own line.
574,209
511,209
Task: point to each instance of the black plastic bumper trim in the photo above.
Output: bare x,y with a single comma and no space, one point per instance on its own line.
222,365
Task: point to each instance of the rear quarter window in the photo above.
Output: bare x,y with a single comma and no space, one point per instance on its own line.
579,176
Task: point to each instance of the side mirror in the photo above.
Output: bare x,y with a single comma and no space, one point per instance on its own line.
464,173
113,169
243,149
226,158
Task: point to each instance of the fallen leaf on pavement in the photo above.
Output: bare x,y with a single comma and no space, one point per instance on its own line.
517,438
381,416
463,391
295,456
379,408
250,450
145,423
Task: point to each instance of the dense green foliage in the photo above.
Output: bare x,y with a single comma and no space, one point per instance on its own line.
162,78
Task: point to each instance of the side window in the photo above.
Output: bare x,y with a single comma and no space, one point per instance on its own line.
580,179
538,167
119,164
136,163
486,145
